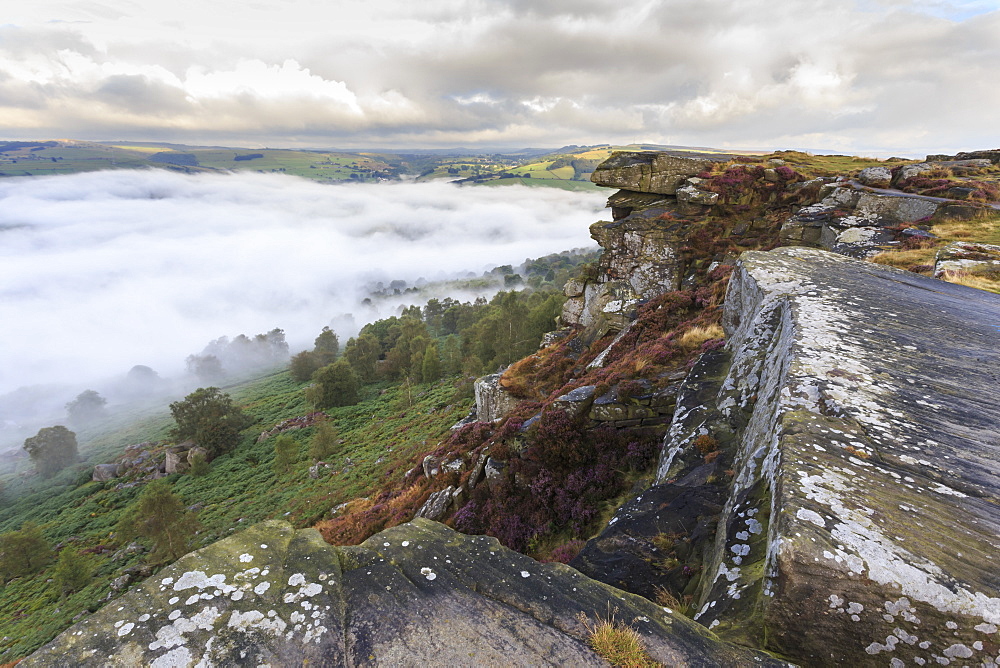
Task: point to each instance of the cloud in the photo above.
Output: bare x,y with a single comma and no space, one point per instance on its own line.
893,75
106,270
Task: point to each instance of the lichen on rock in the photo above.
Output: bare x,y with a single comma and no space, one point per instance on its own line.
867,429
416,594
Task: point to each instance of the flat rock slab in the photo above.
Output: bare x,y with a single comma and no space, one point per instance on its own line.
863,525
418,594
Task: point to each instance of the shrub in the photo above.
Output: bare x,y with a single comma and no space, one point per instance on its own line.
566,552
706,444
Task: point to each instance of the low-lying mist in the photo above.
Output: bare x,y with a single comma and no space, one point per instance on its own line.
106,270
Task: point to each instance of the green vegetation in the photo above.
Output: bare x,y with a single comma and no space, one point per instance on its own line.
159,517
286,453
208,417
52,449
335,385
73,571
23,552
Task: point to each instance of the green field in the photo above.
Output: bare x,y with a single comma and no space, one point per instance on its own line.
69,156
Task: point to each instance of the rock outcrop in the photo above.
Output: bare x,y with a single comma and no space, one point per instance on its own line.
493,402
415,595
642,258
651,172
860,524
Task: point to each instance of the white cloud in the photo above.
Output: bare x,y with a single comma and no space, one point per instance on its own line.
102,271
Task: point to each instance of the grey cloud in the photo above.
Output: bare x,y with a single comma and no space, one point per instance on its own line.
138,94
579,72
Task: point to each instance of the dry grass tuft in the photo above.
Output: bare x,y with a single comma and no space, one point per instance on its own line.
666,598
905,259
972,281
696,336
617,643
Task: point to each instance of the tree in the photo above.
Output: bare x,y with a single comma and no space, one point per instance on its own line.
73,571
52,449
430,370
23,552
159,516
208,368
362,353
336,385
327,345
304,365
88,407
286,453
208,417
324,442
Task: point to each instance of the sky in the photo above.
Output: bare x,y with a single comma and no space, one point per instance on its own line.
102,271
901,77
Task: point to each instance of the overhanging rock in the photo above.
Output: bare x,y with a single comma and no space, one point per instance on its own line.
863,524
418,594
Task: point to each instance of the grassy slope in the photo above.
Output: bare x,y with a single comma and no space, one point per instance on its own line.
384,435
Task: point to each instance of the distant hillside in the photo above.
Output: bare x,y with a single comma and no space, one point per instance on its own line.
568,167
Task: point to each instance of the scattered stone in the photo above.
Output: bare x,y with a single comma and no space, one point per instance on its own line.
875,177
437,504
105,472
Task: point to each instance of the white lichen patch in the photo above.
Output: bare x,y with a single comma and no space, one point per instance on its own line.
246,558
255,619
296,579
428,573
176,658
261,588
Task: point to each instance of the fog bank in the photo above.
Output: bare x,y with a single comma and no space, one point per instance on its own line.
102,271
